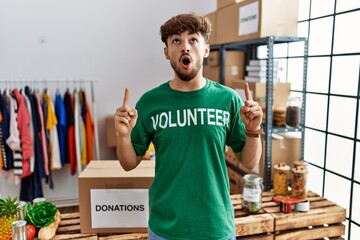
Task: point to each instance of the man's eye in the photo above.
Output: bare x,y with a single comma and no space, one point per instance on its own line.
194,40
176,41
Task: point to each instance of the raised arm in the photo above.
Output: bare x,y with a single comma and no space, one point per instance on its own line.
124,121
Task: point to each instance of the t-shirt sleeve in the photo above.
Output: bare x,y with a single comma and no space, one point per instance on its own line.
140,137
236,137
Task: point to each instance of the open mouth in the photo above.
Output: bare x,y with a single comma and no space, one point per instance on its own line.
186,60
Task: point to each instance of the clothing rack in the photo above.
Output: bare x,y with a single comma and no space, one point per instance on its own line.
31,83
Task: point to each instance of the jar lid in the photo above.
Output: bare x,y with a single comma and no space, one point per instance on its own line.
282,167
300,170
21,204
300,163
252,178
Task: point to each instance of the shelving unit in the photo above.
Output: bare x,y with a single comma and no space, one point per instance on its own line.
250,47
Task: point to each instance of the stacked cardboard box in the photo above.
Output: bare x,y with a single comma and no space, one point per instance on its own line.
238,20
224,3
257,71
281,91
212,18
234,66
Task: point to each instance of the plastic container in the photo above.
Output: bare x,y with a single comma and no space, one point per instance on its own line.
293,112
281,179
251,194
299,183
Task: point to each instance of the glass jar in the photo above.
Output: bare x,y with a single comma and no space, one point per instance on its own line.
251,194
300,163
39,199
281,179
299,182
293,112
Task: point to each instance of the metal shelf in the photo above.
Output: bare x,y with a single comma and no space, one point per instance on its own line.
283,130
250,47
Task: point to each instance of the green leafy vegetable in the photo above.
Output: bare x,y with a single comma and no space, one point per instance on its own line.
42,214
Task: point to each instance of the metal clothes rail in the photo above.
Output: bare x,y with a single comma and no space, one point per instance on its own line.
45,82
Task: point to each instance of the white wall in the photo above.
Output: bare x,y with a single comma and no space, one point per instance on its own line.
116,42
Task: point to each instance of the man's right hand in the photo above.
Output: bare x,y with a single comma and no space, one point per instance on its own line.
125,118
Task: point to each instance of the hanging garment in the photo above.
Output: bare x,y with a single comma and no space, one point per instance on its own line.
44,170
1,145
70,148
14,138
60,113
82,134
13,141
31,126
2,148
49,178
77,121
31,187
8,160
89,126
51,122
26,144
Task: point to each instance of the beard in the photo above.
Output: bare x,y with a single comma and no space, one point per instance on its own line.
186,76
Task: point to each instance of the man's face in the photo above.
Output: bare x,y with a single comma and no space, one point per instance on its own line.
186,52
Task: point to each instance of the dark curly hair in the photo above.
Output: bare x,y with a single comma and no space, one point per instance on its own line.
185,22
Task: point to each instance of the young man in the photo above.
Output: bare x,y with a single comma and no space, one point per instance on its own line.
189,119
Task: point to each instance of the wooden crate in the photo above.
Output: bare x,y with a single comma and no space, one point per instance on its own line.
324,220
69,228
258,225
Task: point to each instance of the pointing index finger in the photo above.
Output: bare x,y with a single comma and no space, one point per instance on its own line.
126,98
247,92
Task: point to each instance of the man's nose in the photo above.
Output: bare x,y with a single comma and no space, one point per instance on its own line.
185,47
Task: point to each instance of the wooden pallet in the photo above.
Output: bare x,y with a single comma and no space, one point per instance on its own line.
69,228
258,225
324,220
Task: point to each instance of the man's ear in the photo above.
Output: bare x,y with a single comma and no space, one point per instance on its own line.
207,51
166,53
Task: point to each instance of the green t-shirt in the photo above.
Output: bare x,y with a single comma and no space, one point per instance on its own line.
189,197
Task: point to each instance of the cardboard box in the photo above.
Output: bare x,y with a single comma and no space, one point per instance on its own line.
213,60
231,58
286,150
235,57
212,73
112,200
234,66
281,91
252,19
232,73
224,3
212,18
